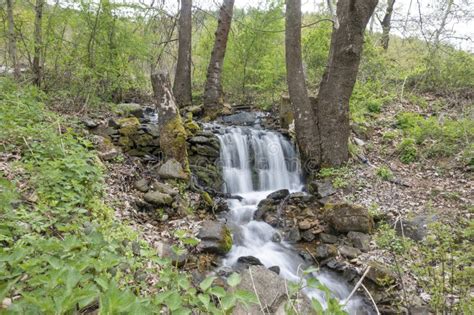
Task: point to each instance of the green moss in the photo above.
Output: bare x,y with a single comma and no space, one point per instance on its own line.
226,243
207,198
125,142
173,141
129,126
192,127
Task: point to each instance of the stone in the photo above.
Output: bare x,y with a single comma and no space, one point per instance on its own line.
165,250
308,236
195,109
293,235
241,119
349,252
275,269
359,240
130,108
158,199
205,150
328,238
307,223
129,126
267,285
106,150
142,185
109,155
264,206
205,140
151,129
416,228
215,238
324,251
249,261
172,169
380,274
165,189
90,123
344,217
279,194
113,123
322,188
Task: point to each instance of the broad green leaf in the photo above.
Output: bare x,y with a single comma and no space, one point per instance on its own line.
234,279
217,291
206,283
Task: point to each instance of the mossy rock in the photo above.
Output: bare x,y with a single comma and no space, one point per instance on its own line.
215,238
129,126
192,127
125,142
144,140
381,274
207,199
173,141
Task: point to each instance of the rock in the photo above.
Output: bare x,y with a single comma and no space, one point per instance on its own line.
211,141
344,217
165,189
322,188
328,238
293,235
205,150
172,169
106,150
130,108
142,185
359,240
158,199
276,237
416,228
275,269
89,123
324,251
380,274
307,223
195,109
128,126
249,261
279,194
264,206
165,250
113,123
215,238
349,252
269,287
308,236
242,119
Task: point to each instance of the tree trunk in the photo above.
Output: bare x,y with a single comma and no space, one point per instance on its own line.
440,30
331,107
306,126
386,24
38,42
12,40
172,132
213,96
182,79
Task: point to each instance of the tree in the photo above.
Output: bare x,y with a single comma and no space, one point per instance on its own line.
38,43
12,39
305,125
172,132
331,108
386,24
182,79
213,95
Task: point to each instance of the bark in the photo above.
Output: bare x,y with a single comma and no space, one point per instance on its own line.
387,24
12,40
172,132
38,43
331,107
306,127
182,79
440,30
213,95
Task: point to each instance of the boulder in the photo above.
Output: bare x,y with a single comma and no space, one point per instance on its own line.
215,238
211,141
359,240
165,189
416,228
275,269
279,194
245,262
328,238
129,126
205,150
241,119
90,123
106,150
142,185
130,109
172,169
344,217
349,252
380,274
165,250
324,251
322,188
293,235
158,199
308,236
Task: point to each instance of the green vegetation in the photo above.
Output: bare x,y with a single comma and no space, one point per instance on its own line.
384,173
62,251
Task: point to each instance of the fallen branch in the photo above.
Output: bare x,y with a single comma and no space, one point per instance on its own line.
359,283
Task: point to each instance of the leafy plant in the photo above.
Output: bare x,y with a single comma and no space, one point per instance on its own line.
384,173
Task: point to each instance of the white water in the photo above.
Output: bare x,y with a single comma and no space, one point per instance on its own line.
256,163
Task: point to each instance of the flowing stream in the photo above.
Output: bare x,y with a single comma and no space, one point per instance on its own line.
256,163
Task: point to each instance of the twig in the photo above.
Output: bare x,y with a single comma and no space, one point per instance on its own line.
255,290
371,298
359,283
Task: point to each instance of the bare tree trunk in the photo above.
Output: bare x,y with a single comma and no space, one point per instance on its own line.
38,42
172,132
213,96
387,24
332,104
12,40
440,30
306,127
182,79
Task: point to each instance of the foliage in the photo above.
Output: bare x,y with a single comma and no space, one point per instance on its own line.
384,173
339,176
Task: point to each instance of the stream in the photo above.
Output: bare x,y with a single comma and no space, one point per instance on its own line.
256,163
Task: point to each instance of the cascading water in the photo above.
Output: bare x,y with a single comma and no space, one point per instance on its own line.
256,163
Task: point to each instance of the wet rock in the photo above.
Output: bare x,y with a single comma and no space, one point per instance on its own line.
328,238
349,252
158,199
209,175
359,240
380,274
242,119
416,228
276,237
275,269
324,251
307,223
211,141
142,185
165,250
335,264
205,150
308,236
215,238
293,235
264,206
165,189
172,169
279,194
249,261
344,217
322,188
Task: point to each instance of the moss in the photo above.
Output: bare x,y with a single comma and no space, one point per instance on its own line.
173,141
192,127
207,198
226,243
144,140
129,126
125,142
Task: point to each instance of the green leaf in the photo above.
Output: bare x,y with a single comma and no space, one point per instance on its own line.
173,301
206,283
218,291
246,297
205,300
317,307
234,279
228,302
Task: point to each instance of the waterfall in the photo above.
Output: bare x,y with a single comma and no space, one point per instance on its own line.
255,163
